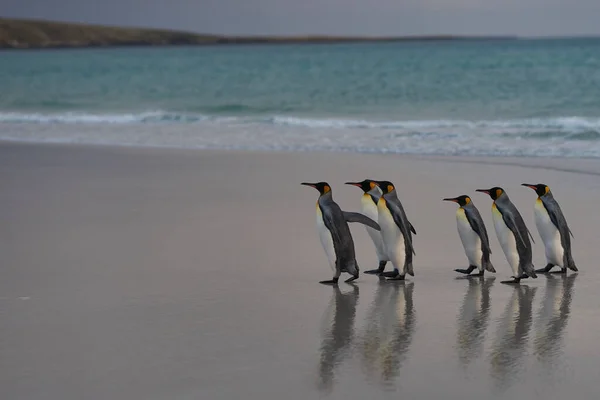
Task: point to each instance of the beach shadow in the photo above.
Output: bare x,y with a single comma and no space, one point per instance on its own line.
509,345
473,320
337,334
551,321
390,327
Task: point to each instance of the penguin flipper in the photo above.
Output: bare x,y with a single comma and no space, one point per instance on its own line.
559,221
509,220
530,235
360,218
329,221
478,226
412,228
399,218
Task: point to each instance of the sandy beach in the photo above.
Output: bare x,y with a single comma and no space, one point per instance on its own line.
176,274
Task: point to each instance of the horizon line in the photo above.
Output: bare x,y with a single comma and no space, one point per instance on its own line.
307,36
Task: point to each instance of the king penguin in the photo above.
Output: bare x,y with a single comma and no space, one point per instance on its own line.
368,203
334,232
473,235
396,231
553,229
512,233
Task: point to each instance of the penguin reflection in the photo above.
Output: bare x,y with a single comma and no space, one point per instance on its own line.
473,320
390,328
337,334
552,319
511,337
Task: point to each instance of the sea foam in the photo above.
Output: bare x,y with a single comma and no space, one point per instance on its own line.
568,136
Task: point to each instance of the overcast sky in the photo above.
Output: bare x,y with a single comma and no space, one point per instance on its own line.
339,17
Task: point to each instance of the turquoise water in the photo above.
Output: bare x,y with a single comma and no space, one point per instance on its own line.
528,97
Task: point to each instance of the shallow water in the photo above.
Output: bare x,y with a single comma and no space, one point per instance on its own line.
498,342
423,339
123,277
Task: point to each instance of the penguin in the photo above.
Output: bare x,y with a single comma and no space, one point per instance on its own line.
396,231
368,203
553,229
334,232
512,233
473,235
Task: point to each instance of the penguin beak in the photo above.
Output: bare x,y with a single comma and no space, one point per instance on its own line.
357,184
455,200
486,191
534,187
312,185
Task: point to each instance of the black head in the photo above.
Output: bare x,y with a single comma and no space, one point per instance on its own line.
460,200
322,187
367,185
494,192
540,188
385,186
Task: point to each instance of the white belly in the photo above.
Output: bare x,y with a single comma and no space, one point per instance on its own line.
369,209
326,239
392,237
549,234
507,241
470,239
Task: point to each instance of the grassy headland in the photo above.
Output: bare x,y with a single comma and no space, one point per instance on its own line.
36,34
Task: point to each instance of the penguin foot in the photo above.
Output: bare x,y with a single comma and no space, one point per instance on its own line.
373,272
397,278
479,274
333,281
390,274
466,271
561,271
379,270
462,271
545,270
352,278
514,281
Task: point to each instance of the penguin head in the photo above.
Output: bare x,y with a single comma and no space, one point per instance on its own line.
322,187
540,188
460,200
367,185
385,186
494,192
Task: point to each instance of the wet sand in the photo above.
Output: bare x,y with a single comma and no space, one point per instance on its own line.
170,274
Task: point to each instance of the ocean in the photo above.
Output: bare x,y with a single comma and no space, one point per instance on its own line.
496,98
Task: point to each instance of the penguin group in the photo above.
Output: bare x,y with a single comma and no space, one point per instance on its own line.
389,228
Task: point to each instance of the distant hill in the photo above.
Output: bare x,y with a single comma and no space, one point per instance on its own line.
36,34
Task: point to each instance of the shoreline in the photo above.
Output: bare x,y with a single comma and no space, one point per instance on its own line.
40,34
281,41
30,34
257,41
